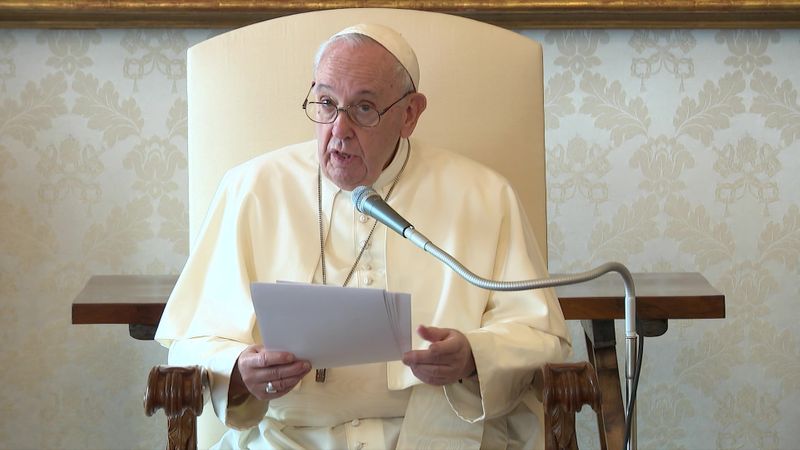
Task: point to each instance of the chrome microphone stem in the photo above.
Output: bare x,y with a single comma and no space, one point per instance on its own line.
631,355
562,280
631,337
416,238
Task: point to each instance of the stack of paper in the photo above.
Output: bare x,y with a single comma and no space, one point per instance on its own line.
333,326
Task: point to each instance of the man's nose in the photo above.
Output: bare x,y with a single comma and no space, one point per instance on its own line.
343,125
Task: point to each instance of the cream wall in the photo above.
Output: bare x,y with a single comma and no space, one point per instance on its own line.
680,151
667,150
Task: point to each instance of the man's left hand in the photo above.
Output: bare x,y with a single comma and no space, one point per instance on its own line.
447,360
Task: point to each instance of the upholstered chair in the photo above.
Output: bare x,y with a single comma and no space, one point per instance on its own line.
485,99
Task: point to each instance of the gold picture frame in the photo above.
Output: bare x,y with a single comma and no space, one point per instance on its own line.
506,13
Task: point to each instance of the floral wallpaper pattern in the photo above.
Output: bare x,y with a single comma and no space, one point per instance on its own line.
668,150
672,150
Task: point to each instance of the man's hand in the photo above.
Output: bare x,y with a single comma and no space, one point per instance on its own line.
447,360
256,367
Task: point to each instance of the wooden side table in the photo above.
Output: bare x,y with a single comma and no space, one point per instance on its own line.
139,300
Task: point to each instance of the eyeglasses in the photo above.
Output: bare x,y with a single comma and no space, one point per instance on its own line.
363,114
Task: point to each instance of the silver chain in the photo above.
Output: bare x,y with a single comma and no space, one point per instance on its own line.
371,231
322,373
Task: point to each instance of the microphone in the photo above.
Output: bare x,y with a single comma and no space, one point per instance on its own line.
369,202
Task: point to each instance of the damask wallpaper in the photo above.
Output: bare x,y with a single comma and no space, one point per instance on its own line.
669,150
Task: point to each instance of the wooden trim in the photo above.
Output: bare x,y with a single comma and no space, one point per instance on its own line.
140,299
507,13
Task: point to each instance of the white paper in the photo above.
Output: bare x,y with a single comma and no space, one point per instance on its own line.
332,326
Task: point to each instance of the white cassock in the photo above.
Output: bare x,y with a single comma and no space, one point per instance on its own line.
263,226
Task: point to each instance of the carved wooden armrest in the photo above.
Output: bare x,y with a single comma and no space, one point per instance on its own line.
179,392
566,387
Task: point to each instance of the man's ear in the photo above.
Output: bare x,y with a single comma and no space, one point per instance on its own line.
417,103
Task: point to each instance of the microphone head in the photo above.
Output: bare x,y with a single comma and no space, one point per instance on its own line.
360,196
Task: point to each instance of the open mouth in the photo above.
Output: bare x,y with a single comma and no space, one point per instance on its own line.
341,157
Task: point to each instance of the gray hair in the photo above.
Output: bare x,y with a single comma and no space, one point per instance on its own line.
354,40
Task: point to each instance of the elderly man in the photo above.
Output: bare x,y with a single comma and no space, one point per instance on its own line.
287,216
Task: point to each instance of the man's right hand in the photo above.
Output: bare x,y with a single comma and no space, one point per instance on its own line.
256,367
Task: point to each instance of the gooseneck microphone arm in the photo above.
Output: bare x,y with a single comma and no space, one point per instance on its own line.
369,202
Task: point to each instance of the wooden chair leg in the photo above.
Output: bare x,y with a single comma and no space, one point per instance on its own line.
179,392
566,388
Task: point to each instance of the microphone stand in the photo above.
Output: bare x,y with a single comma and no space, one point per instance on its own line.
367,201
631,337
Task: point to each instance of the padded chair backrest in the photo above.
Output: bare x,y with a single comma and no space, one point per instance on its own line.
483,83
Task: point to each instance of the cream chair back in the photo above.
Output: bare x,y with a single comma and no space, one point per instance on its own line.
483,83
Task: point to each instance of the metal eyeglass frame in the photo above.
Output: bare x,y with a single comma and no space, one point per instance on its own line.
346,109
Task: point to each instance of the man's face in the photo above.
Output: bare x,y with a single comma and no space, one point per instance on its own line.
351,155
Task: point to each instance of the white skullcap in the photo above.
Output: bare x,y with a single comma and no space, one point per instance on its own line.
392,41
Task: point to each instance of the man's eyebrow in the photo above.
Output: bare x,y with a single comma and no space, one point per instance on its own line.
318,86
363,92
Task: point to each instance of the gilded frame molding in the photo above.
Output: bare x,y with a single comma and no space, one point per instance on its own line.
506,13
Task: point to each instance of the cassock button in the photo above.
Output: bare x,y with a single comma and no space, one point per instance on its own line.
367,268
362,218
355,422
368,281
364,244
